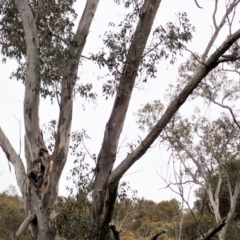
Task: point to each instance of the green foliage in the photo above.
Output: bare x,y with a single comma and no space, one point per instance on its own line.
204,215
166,43
73,218
191,229
209,152
143,218
149,115
11,216
55,24
139,220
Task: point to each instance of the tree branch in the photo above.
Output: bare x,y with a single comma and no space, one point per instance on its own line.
219,27
155,236
174,106
115,231
214,15
68,82
14,158
197,4
211,232
230,110
25,223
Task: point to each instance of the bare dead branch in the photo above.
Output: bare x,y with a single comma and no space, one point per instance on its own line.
197,4
125,217
25,223
231,21
231,70
92,156
14,158
173,108
219,27
196,57
186,200
191,156
156,235
214,15
88,58
211,232
180,192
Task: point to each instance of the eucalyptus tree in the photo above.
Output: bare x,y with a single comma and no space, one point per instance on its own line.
40,36
209,154
207,149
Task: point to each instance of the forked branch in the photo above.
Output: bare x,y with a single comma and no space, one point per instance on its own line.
68,82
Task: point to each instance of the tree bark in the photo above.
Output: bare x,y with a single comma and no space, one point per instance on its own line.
105,190
44,170
107,180
156,235
40,199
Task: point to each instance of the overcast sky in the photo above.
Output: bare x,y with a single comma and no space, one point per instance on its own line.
143,175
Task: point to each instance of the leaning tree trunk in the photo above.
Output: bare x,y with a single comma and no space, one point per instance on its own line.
39,184
105,190
107,180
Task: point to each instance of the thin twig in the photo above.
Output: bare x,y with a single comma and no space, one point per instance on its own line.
197,58
197,4
214,14
230,110
20,142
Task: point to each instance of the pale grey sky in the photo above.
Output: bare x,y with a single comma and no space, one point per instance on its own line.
94,117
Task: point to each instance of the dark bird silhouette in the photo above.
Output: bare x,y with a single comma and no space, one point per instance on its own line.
233,55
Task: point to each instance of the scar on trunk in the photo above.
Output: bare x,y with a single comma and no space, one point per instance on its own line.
41,168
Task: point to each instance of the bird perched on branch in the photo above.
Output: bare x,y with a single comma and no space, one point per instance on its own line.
233,55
